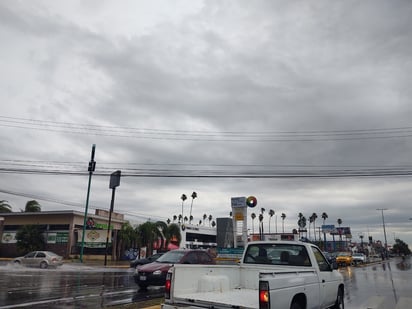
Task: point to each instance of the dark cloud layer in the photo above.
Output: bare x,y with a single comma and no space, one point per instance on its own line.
212,87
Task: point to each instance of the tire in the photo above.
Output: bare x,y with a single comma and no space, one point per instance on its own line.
43,265
339,304
295,305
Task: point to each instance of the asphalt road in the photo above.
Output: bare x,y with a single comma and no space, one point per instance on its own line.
381,285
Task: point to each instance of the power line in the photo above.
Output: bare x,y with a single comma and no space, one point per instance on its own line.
207,136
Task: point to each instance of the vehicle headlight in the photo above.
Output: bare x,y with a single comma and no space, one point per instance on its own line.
157,272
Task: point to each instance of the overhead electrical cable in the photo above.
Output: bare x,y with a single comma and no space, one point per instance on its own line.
207,136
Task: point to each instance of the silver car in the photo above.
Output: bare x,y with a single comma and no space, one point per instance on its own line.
42,259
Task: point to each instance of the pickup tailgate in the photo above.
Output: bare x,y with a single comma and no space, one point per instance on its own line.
217,286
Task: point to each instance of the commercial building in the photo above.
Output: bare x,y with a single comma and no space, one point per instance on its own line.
63,231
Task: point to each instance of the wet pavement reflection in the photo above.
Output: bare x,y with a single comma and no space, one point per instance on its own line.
69,286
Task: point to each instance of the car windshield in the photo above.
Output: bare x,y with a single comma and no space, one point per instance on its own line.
171,257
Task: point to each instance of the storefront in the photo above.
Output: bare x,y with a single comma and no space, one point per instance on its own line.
62,231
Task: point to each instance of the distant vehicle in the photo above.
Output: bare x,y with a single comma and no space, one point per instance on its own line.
155,273
359,258
42,259
148,260
330,257
375,258
344,258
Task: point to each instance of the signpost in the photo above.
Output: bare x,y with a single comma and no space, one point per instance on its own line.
114,182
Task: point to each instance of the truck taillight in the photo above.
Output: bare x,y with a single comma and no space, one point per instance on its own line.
264,296
168,285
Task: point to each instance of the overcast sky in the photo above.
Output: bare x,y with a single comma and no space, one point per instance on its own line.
271,96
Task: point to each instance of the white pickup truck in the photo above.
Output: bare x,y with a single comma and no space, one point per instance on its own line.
271,274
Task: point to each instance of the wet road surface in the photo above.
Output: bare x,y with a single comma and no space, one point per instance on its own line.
381,285
69,286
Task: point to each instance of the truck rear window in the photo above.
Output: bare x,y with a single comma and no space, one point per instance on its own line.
277,254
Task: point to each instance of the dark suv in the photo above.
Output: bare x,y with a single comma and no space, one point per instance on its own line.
155,273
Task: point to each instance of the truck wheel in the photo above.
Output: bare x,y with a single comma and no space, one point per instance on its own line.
339,304
296,305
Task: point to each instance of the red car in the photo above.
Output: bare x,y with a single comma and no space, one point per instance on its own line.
155,273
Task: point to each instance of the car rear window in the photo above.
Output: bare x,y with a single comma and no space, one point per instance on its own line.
171,257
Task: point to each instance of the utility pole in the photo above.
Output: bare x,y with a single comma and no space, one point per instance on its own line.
384,230
92,167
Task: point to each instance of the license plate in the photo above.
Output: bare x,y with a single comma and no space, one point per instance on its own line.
143,278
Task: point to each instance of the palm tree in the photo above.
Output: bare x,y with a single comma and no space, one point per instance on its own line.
300,215
204,218
172,233
5,207
180,219
183,198
271,213
261,226
126,237
253,216
168,221
314,217
149,233
283,216
194,195
324,217
174,218
340,231
162,227
200,222
310,222
32,206
210,219
213,223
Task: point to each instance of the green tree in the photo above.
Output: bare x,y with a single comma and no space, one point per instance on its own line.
32,206
148,233
173,232
162,227
30,238
127,238
5,207
401,247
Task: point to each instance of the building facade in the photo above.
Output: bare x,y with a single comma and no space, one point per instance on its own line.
63,232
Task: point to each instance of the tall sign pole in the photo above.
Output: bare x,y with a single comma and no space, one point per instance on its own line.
92,167
114,182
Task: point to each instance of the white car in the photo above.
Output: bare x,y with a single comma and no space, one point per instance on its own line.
359,258
42,259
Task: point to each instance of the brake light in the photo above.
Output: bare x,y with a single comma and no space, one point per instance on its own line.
264,296
168,285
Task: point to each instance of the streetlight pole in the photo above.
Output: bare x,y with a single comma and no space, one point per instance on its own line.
384,230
